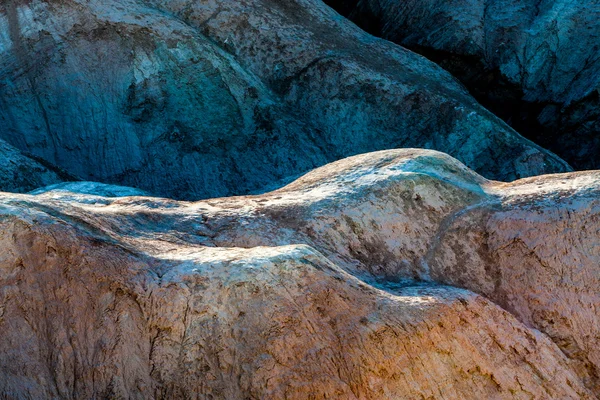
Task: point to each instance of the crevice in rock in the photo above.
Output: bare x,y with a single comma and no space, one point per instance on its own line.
546,124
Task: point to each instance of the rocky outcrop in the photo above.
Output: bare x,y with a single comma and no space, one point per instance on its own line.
328,287
534,63
19,173
395,274
193,100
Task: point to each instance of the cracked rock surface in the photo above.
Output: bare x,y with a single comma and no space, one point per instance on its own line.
190,99
335,286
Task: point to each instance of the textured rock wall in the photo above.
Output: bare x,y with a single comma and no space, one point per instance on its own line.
309,290
193,100
534,251
534,63
19,173
89,320
395,274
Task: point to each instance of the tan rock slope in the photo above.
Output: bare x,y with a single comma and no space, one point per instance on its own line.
331,287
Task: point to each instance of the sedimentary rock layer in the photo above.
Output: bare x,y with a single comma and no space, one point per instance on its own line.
328,287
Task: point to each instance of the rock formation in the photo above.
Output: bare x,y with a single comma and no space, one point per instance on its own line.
92,188
534,63
353,260
192,99
19,173
331,287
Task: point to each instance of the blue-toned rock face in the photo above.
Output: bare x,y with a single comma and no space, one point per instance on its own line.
64,189
193,100
534,63
20,173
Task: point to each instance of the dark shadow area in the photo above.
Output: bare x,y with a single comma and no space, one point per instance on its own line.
571,131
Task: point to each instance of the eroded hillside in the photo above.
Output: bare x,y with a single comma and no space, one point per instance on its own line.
385,236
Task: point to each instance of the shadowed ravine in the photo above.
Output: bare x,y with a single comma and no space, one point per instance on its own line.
535,64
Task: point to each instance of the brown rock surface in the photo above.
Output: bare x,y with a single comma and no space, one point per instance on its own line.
308,291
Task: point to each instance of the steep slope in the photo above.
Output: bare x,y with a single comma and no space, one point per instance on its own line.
193,100
534,63
309,289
